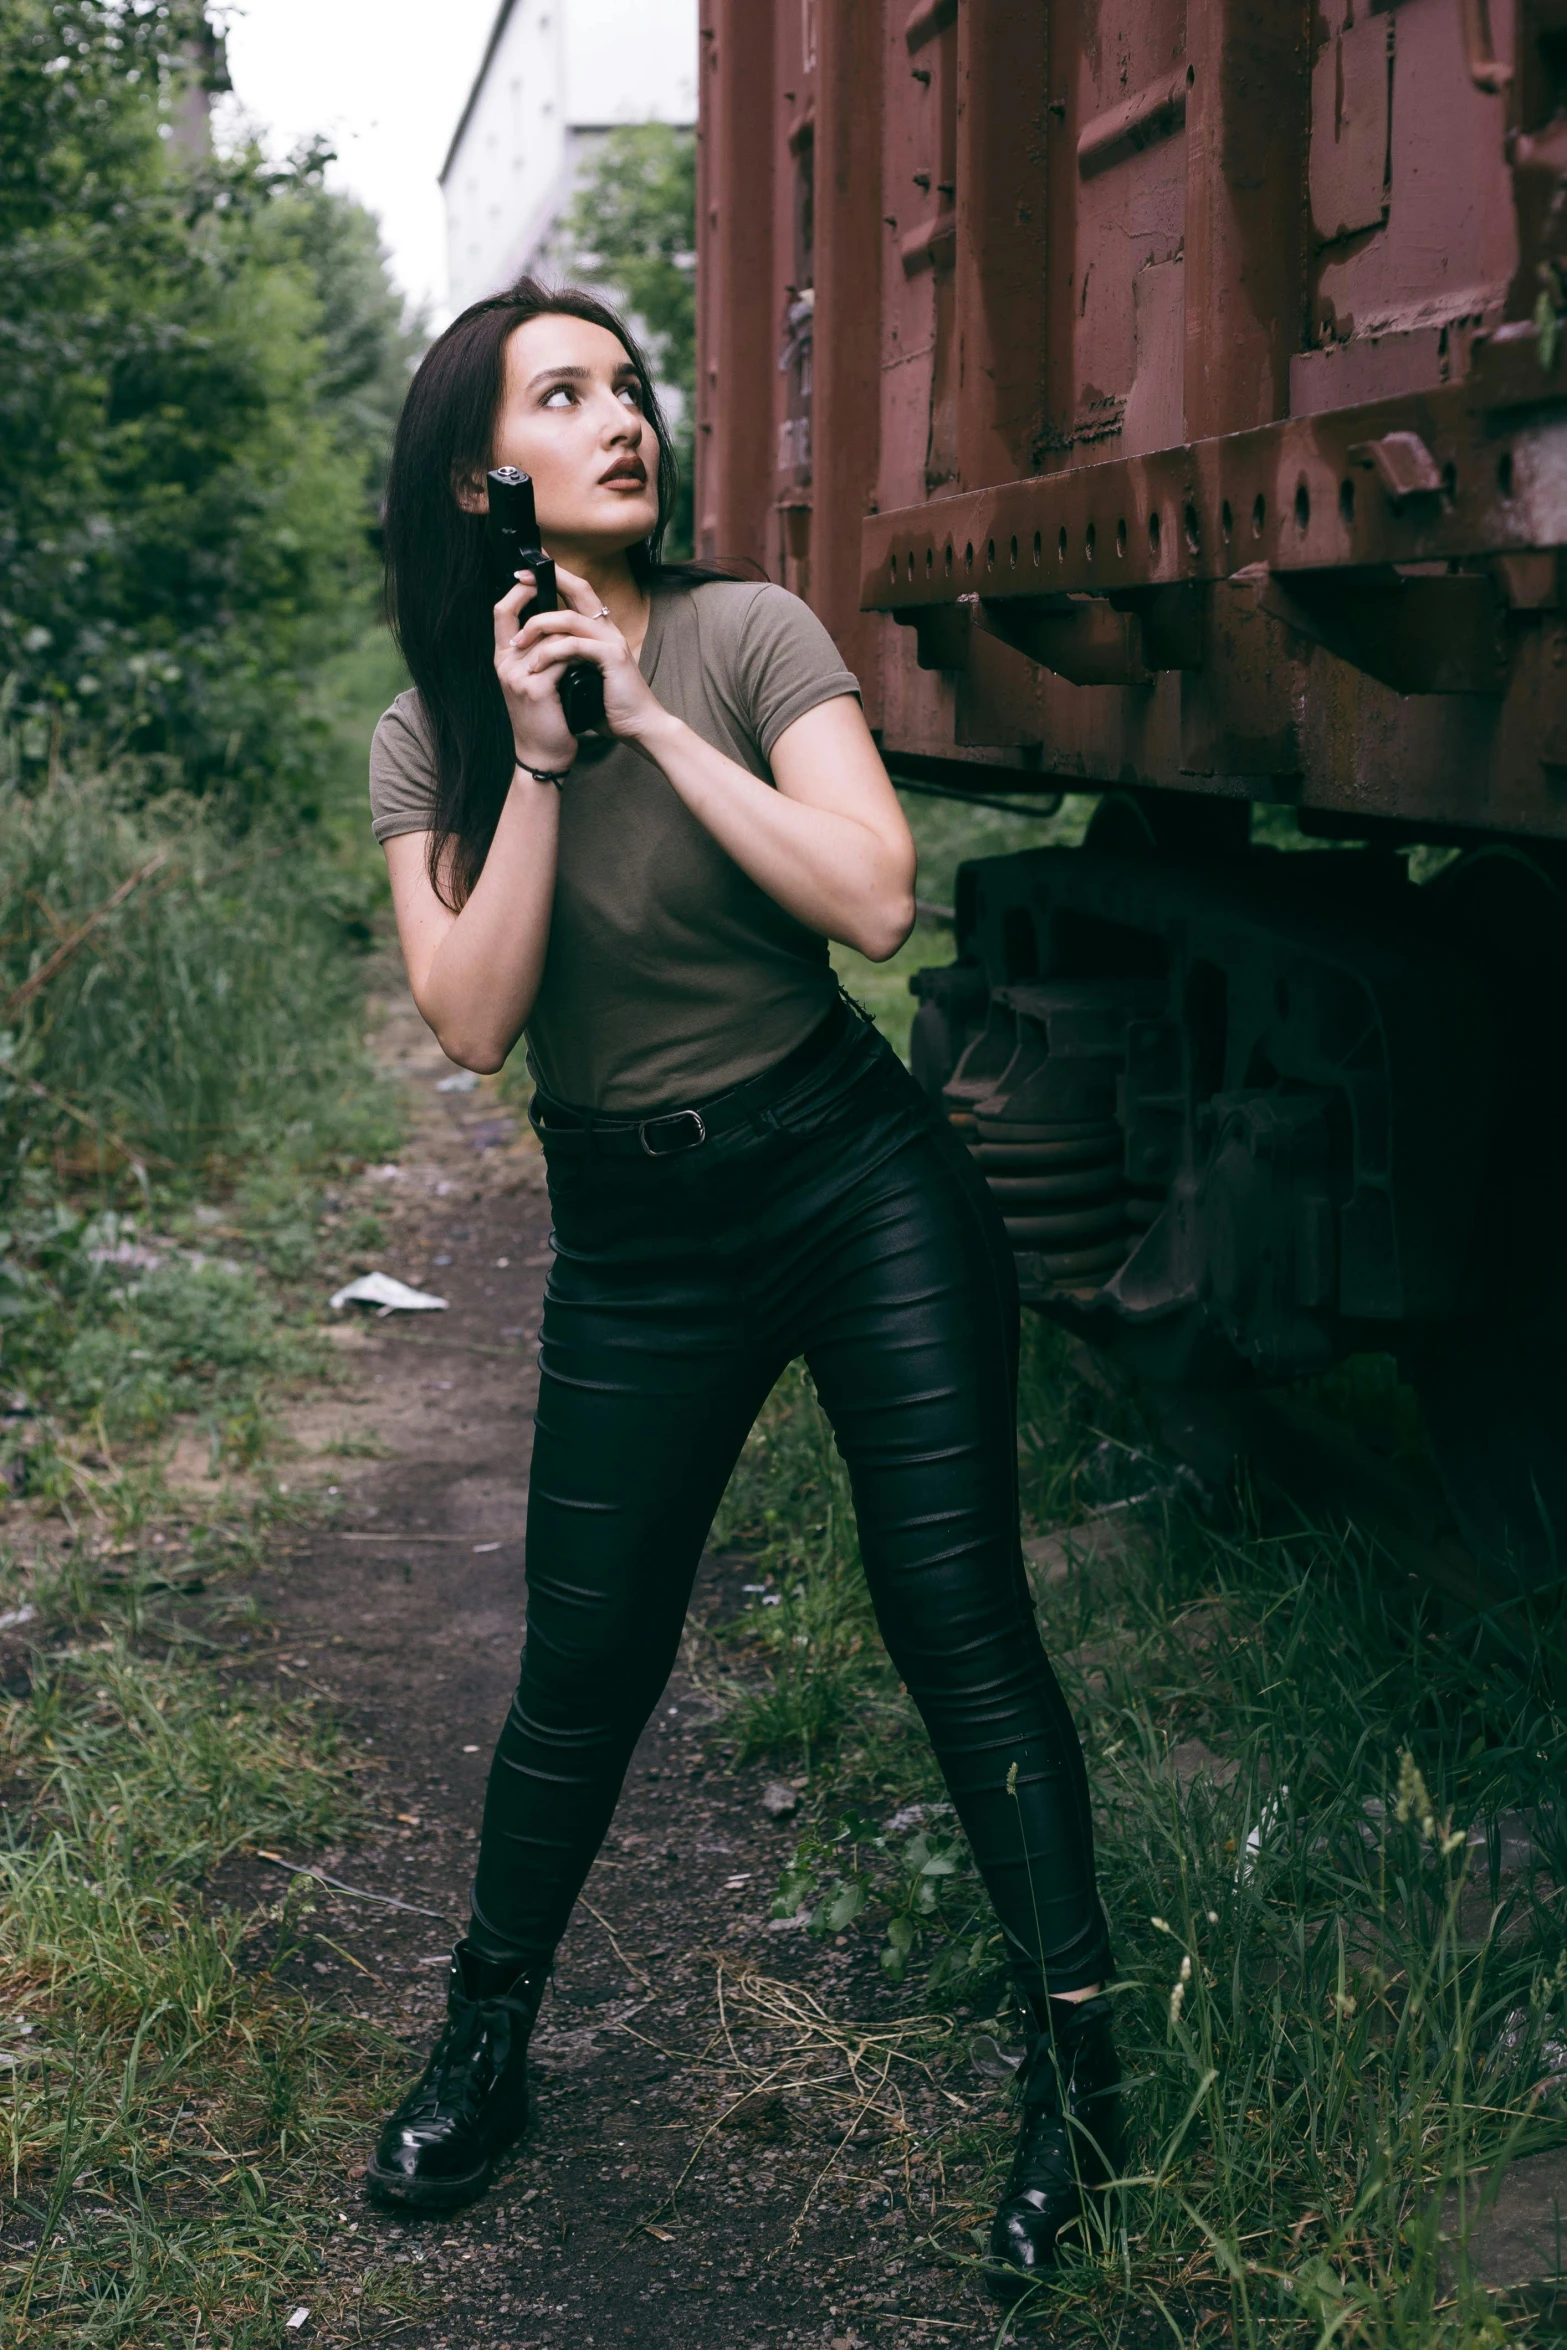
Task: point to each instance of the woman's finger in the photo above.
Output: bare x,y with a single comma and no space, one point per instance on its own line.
558,652
547,624
578,594
508,612
515,597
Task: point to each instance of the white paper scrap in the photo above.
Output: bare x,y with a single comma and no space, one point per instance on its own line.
379,1289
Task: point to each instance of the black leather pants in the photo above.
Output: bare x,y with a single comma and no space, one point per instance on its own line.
837,1219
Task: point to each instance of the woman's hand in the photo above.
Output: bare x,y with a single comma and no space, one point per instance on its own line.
539,733
581,631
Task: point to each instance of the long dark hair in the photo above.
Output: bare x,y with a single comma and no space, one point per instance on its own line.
438,593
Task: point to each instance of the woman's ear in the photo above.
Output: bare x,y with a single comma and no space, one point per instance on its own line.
471,492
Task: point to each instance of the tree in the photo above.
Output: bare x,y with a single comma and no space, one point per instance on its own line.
203,359
631,228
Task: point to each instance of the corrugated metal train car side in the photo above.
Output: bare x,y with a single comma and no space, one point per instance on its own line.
1164,398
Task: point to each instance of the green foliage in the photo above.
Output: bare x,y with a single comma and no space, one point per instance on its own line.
203,357
171,1027
198,1340
790,1499
632,229
203,1030
633,223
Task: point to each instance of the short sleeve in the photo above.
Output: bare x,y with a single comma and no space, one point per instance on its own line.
786,664
402,771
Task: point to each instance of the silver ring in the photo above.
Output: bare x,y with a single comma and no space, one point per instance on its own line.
602,613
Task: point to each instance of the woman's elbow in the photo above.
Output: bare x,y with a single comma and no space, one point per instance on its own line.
470,1048
483,1059
883,928
480,1053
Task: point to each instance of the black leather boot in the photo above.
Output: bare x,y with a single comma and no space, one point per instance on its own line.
438,2150
1071,2141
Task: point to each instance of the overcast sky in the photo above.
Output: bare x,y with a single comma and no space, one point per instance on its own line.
385,81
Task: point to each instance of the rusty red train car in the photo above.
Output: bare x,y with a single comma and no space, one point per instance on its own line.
1167,399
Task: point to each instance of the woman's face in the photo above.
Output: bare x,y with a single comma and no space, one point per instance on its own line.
571,416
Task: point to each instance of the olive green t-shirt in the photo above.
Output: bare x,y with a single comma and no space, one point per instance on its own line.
670,974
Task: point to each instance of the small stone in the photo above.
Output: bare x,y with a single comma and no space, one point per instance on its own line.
779,1799
1191,1759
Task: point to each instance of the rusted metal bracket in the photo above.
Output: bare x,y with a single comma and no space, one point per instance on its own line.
941,633
1080,638
1486,69
1420,636
1089,640
1138,122
1402,464
1472,469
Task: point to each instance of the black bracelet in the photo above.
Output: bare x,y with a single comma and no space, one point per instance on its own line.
543,774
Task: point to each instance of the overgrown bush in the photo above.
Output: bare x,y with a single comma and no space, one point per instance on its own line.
179,1011
203,359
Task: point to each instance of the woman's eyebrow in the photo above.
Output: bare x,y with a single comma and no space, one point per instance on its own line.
622,373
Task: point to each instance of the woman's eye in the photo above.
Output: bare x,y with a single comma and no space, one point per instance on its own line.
560,395
632,395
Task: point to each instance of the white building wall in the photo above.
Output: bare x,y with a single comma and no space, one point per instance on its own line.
557,71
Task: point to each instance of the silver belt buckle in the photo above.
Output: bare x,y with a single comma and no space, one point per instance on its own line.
686,1118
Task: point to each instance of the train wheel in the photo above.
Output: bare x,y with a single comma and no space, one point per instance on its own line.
1133,823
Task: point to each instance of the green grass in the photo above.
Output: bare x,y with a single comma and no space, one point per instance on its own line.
176,2123
181,1074
183,1081
1334,2016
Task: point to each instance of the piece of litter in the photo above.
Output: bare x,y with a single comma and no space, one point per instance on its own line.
988,2056
1257,1836
379,1289
733,1884
779,1800
461,1081
296,2321
470,1750
480,1547
16,1615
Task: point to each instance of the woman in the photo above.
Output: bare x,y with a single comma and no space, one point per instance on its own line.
740,1172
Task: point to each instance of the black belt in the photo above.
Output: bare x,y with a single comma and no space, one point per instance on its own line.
669,1133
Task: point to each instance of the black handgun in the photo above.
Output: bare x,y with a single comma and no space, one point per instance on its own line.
513,534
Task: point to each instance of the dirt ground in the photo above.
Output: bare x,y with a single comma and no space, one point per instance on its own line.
636,2212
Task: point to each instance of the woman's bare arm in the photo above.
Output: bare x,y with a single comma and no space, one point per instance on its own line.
831,844
474,975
